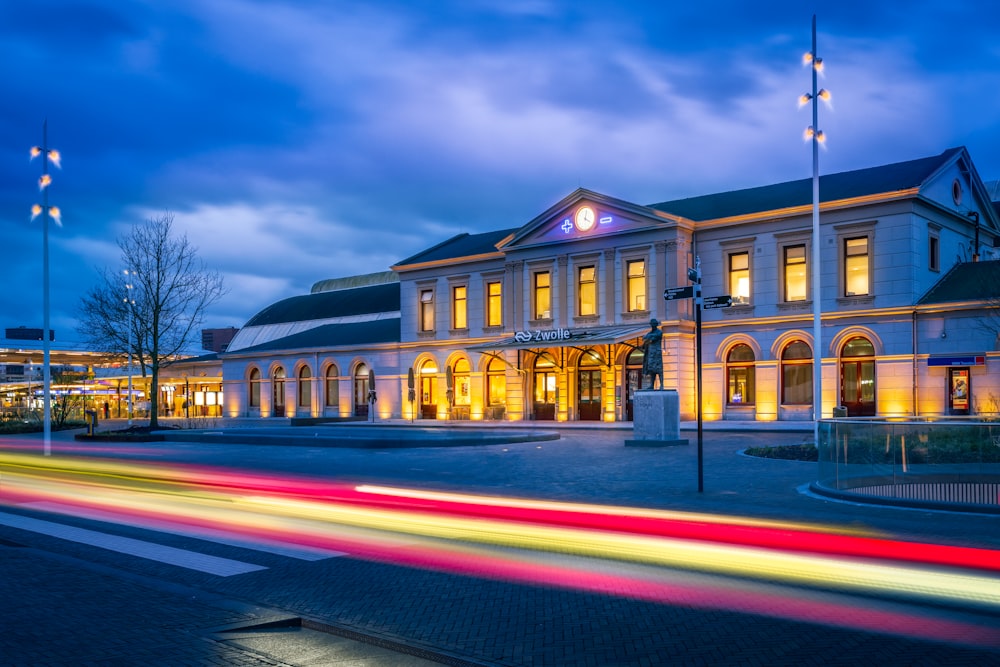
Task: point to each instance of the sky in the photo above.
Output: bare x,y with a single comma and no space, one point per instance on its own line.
298,140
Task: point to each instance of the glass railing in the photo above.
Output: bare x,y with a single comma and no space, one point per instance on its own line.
919,461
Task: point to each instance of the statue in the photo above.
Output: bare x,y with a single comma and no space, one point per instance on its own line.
652,359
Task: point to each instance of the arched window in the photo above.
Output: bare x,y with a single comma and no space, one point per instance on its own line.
305,387
254,393
461,372
740,375
332,393
796,374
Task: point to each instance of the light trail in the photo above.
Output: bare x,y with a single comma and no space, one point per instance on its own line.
546,542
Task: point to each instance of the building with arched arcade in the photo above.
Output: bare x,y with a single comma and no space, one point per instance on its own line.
544,321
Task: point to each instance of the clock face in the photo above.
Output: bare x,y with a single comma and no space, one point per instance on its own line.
585,218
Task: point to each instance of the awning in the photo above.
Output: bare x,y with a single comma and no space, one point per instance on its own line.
582,337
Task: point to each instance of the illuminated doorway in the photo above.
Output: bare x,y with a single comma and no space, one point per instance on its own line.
857,377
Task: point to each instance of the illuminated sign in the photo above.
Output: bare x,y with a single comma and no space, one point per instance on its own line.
542,335
958,360
585,219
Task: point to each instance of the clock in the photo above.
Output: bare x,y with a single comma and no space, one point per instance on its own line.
585,218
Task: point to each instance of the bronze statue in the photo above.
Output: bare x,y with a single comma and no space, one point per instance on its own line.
652,351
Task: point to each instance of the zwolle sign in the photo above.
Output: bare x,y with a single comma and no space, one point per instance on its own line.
542,335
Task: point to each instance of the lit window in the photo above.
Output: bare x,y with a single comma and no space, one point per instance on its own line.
796,374
636,296
427,310
856,266
494,304
795,273
459,314
332,387
543,295
587,290
740,375
739,277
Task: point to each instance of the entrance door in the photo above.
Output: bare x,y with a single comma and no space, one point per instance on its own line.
857,387
361,391
959,391
428,404
633,380
545,395
590,394
278,392
857,378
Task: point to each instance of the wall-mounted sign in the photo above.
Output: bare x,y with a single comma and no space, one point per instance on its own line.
957,360
542,335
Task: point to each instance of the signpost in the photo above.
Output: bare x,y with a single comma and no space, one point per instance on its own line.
708,302
672,293
724,301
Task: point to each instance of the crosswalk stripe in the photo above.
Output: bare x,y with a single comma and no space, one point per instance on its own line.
211,534
223,567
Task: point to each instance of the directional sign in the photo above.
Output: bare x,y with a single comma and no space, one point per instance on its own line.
723,301
672,293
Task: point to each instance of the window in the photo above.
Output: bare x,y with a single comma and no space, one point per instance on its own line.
305,387
427,310
740,375
255,388
496,383
543,295
739,277
795,273
636,275
856,266
494,304
462,378
587,290
796,374
934,252
459,314
332,387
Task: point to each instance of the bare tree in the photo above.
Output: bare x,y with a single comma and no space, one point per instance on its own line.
170,291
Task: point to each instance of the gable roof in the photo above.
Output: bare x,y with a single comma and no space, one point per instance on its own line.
459,246
832,187
333,335
325,305
968,281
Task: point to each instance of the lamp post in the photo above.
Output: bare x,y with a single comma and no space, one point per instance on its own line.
816,136
130,305
694,275
47,155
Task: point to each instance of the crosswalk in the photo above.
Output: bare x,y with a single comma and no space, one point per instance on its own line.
185,558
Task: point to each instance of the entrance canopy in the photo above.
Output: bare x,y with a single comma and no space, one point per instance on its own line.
582,337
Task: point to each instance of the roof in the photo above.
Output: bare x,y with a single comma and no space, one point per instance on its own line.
334,335
832,187
323,305
968,281
462,245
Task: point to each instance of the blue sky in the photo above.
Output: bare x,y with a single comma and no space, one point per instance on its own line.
300,140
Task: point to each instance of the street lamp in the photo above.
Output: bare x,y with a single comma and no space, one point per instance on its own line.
694,276
130,306
48,155
816,136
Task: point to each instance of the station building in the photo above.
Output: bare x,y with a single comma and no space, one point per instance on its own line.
544,321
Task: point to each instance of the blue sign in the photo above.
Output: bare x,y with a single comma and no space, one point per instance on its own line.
957,360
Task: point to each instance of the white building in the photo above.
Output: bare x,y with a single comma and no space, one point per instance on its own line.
545,321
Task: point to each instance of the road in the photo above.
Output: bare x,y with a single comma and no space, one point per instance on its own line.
181,553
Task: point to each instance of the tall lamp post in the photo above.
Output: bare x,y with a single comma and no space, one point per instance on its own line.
48,155
130,305
815,135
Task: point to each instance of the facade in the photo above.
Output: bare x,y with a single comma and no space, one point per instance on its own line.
546,321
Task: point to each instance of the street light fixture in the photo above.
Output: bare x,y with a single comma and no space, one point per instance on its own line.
816,136
48,155
130,305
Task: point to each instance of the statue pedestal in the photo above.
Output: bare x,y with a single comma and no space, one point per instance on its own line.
656,419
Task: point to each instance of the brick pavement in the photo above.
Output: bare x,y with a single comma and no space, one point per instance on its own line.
81,605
